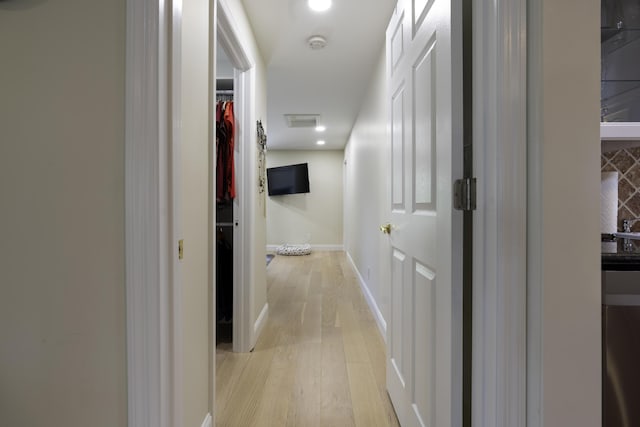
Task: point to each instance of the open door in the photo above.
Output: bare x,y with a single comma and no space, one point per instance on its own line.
424,334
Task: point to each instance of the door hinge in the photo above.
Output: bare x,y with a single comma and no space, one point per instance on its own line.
464,194
180,249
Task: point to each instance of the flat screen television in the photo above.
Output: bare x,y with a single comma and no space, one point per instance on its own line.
289,179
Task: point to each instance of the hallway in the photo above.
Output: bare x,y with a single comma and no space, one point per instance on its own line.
320,360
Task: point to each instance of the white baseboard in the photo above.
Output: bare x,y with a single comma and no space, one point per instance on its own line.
208,421
260,322
272,248
377,314
328,247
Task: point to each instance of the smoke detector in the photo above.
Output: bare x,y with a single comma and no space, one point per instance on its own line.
316,42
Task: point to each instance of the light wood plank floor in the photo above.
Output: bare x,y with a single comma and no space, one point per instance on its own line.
320,360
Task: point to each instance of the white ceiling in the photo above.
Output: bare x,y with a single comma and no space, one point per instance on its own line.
330,82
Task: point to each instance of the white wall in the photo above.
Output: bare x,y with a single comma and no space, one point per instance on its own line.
194,211
564,271
224,69
62,292
315,217
367,189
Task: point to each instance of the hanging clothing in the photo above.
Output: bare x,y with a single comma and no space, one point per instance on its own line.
225,140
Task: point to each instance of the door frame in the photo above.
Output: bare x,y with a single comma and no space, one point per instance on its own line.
499,153
499,360
227,34
152,150
152,229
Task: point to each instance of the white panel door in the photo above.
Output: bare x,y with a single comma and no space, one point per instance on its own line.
424,76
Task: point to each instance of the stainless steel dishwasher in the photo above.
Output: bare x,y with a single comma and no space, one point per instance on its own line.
621,349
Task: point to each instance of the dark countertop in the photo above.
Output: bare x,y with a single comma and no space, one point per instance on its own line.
622,255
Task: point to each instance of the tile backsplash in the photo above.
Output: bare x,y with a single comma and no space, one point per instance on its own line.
626,162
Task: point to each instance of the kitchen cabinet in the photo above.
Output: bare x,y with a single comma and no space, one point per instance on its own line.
620,70
621,348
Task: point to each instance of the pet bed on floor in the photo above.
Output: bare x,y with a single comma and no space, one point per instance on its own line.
288,249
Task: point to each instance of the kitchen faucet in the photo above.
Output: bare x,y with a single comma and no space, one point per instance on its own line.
627,223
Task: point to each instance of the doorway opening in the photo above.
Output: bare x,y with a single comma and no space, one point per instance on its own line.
230,209
226,168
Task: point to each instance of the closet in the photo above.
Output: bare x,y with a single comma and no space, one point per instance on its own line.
225,196
235,323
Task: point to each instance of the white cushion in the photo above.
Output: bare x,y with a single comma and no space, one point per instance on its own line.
287,249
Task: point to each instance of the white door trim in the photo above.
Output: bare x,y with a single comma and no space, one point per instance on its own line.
534,256
174,108
228,36
152,276
213,38
500,222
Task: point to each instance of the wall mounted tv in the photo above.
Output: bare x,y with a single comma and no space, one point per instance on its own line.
290,179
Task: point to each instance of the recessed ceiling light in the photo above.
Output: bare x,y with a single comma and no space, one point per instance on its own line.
321,142
320,128
319,5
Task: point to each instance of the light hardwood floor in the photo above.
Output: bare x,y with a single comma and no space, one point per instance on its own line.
320,360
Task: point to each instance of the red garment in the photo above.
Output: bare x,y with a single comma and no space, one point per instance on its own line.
230,177
220,151
225,168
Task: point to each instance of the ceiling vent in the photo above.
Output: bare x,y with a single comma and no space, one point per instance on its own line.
302,120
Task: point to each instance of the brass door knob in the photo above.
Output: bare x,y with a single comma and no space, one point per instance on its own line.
386,229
